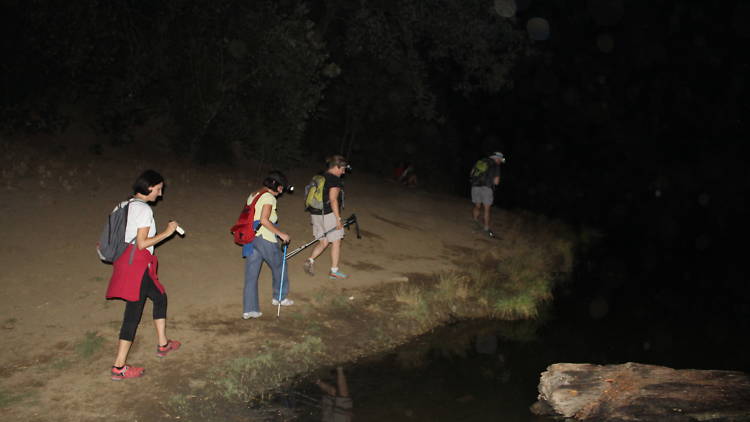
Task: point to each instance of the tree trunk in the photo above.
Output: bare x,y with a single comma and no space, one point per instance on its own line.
636,392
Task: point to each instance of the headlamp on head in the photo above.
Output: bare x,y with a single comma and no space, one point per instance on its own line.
276,179
498,155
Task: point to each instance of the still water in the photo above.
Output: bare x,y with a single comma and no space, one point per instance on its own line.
463,372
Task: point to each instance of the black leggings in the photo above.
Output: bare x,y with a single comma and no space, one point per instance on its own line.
134,310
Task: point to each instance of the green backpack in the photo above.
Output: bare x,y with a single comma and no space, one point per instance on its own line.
314,194
478,171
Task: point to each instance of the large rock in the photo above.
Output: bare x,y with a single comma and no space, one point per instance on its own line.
636,392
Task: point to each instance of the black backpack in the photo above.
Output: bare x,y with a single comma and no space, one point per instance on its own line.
112,240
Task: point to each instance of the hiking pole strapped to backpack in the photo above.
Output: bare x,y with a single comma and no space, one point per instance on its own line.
346,223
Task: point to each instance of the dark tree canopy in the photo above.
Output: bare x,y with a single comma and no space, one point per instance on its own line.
256,74
223,73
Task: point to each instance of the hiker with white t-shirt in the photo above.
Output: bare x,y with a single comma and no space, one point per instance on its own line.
134,276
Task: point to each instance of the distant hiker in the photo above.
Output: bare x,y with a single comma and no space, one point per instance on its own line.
485,176
265,246
405,174
398,170
325,214
134,276
408,176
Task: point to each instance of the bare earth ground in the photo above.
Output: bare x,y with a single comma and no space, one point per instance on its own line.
55,202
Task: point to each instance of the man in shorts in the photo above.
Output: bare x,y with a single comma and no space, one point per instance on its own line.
330,218
485,175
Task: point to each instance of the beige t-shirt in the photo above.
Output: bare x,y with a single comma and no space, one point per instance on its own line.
266,199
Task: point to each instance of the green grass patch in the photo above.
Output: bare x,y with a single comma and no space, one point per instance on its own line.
320,296
9,398
179,404
92,342
306,350
521,306
298,316
60,364
339,302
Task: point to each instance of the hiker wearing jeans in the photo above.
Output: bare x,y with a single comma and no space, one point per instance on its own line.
485,176
265,247
329,219
134,276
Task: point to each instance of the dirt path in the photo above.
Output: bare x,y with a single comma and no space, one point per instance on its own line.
53,285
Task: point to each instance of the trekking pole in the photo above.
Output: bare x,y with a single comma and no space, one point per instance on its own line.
306,245
349,221
281,285
356,225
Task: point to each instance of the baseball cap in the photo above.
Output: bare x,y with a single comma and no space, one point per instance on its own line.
498,154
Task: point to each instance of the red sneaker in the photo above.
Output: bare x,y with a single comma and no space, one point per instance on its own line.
171,346
126,372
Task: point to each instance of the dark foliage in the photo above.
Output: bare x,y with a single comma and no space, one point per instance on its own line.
228,73
249,76
407,67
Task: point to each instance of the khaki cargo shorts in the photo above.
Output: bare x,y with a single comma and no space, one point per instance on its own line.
323,223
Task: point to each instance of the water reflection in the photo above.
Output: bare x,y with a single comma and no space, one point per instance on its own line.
336,404
468,371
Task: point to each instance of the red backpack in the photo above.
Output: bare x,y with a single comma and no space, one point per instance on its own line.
243,230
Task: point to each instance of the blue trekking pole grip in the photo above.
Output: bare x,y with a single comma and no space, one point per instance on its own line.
281,284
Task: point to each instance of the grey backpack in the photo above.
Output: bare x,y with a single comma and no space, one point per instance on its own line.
112,240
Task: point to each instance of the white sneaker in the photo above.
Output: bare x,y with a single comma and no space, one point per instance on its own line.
285,302
248,315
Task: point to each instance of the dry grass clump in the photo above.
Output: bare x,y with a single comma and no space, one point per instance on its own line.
440,298
237,379
409,295
417,301
453,286
233,380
